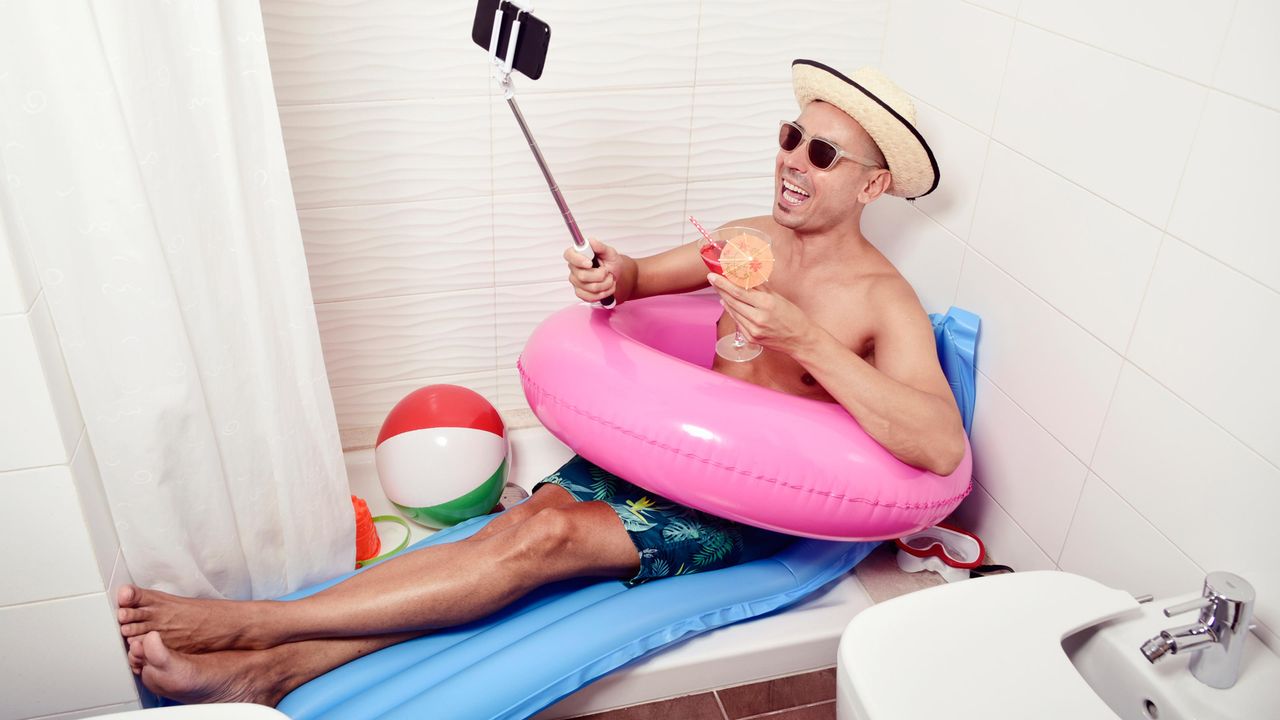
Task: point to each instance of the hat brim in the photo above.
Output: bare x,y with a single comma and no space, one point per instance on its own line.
912,166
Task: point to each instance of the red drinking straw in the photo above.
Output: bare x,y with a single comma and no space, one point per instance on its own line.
701,229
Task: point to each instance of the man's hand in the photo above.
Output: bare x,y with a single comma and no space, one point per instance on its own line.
764,316
594,284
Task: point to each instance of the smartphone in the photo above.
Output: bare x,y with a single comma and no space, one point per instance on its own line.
531,46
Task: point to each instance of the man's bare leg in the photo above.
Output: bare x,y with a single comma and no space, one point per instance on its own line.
553,539
257,676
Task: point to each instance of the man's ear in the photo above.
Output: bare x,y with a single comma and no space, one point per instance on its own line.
875,186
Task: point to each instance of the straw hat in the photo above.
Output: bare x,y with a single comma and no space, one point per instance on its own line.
884,111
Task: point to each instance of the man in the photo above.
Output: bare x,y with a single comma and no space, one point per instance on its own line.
837,321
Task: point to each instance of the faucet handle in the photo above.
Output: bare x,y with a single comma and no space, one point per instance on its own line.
1196,604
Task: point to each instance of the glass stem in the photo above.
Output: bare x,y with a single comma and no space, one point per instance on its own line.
739,340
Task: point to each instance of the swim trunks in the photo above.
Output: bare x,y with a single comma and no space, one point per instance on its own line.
672,539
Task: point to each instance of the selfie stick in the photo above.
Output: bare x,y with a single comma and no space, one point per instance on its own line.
502,72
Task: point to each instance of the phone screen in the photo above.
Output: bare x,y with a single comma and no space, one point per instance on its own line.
531,46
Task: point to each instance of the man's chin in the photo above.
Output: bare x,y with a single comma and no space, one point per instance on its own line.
786,217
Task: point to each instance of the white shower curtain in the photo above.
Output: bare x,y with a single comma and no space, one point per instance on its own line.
144,162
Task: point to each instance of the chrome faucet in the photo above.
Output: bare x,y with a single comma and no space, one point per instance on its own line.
1218,637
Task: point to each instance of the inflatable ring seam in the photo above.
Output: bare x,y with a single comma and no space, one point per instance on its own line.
730,468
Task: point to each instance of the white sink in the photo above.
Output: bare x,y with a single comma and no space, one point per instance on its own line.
1107,656
1048,645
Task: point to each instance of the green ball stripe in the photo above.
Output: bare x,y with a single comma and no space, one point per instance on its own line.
474,503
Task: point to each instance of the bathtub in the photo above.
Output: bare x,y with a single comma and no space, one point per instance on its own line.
800,639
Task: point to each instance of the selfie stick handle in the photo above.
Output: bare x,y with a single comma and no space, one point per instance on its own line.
502,70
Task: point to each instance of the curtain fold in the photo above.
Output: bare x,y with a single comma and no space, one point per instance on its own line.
145,162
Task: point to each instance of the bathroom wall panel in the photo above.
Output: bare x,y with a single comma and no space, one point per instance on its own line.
381,250
41,421
398,338
974,43
520,308
510,391
1202,334
961,154
1113,544
325,51
1075,110
1033,477
530,236
744,142
614,45
362,408
1005,541
90,653
48,551
1224,205
1250,54
754,41
1165,457
1059,238
1004,7
719,202
1183,38
617,139
392,151
926,254
1054,370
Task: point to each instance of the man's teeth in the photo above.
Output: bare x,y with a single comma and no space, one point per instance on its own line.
794,188
792,194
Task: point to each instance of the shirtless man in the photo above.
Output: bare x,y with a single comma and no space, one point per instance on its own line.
837,321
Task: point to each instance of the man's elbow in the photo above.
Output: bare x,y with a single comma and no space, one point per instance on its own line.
949,454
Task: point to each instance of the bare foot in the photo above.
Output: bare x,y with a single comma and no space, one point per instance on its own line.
220,677
191,625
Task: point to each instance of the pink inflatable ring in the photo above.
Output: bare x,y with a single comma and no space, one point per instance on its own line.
632,390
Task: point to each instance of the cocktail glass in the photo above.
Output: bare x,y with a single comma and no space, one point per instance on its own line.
750,261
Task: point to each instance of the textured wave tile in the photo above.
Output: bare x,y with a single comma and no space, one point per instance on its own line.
619,44
343,50
716,202
520,309
735,129
364,407
510,392
754,41
530,236
389,339
379,250
638,137
387,151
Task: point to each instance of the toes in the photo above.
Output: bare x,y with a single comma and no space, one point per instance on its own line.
136,657
127,596
153,650
131,630
131,615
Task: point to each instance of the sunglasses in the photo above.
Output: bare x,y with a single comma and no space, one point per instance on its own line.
823,154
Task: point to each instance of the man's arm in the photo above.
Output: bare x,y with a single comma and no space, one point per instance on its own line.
903,402
672,271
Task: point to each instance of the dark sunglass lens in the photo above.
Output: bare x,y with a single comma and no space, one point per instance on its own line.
822,154
789,137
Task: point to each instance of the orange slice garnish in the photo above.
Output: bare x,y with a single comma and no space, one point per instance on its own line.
746,260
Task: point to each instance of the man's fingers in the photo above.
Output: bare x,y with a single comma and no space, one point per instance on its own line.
577,259
727,288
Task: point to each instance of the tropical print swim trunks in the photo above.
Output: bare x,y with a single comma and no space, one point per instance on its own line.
672,539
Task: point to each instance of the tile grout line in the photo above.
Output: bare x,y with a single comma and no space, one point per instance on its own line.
776,713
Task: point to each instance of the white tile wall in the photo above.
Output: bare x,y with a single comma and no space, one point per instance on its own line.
1116,127
1202,334
41,420
1121,254
1182,37
950,54
46,540
735,129
1217,209
89,650
18,283
926,254
1251,55
961,155
1058,238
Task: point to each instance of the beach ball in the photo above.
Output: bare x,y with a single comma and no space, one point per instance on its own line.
442,455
